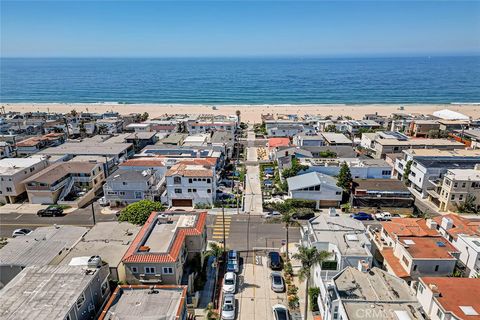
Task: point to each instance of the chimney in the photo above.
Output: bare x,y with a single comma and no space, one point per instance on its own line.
447,223
434,289
363,266
431,224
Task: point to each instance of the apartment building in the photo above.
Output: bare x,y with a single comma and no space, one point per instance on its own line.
345,238
191,182
164,244
45,245
383,147
203,125
359,168
354,127
359,293
457,186
56,292
73,183
447,298
409,248
128,186
464,234
158,302
35,144
13,171
427,167
422,128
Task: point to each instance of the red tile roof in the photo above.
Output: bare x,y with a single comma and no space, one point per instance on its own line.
278,142
394,263
409,227
132,254
184,168
461,225
144,162
428,247
455,292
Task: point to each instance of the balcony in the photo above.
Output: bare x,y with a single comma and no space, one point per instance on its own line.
150,278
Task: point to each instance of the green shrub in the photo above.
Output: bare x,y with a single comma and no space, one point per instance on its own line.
138,212
313,297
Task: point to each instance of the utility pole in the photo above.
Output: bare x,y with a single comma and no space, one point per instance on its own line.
93,215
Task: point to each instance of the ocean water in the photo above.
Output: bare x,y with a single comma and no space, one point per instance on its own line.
241,81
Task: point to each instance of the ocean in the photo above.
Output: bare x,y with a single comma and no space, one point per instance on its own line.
241,80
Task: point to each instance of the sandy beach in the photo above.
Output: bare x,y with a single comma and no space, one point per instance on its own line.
249,113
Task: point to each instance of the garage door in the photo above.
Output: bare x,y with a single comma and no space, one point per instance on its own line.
182,203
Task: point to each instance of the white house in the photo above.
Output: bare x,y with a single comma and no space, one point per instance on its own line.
359,168
315,186
191,182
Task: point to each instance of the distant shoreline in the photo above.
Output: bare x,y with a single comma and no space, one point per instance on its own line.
249,112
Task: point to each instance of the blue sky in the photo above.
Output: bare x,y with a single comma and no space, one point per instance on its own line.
229,28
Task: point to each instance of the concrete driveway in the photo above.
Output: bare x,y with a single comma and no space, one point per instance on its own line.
255,297
22,208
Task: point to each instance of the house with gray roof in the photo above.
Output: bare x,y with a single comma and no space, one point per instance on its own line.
45,245
317,187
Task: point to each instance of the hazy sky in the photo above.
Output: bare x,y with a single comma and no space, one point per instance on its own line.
229,28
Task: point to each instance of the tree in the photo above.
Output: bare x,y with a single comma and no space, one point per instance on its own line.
74,113
102,129
406,172
309,257
294,169
211,313
144,116
344,179
216,251
138,212
469,205
82,129
330,128
237,113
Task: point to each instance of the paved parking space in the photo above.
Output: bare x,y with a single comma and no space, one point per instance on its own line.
22,208
255,297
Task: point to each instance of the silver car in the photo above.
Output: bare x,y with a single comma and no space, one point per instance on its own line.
228,308
280,312
278,285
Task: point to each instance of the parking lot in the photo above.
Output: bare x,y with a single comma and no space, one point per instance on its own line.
255,297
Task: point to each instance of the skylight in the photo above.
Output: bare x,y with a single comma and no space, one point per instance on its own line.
469,311
409,242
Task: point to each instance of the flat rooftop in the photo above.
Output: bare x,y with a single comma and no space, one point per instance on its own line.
9,166
443,153
84,148
110,240
335,229
163,232
419,142
44,293
332,137
145,302
41,246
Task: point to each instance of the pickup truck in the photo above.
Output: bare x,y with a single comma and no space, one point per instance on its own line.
383,216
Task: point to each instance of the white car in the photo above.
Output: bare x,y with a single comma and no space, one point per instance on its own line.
21,232
280,312
103,202
272,214
228,308
230,282
383,216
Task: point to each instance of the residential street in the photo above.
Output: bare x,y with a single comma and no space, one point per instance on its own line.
253,192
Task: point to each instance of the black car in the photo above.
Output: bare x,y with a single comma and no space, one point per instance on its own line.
274,260
50,212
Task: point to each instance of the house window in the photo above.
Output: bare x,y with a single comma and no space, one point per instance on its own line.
167,270
436,268
189,190
134,269
420,288
405,260
386,172
460,197
209,180
104,288
452,197
9,189
464,185
150,270
209,191
178,190
80,301
440,314
194,190
124,183
338,193
177,180
138,195
190,180
122,193
415,267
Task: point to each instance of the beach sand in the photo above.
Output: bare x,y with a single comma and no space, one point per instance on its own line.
249,113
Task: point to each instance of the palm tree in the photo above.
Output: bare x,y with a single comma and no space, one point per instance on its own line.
287,219
309,257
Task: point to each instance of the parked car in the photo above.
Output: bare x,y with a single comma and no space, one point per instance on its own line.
383,216
230,282
278,285
103,202
228,307
51,211
274,260
272,214
21,232
362,216
280,312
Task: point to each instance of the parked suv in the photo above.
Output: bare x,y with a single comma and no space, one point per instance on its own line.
51,211
274,260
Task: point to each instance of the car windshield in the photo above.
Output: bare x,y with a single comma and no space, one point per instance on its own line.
277,279
228,307
281,314
229,281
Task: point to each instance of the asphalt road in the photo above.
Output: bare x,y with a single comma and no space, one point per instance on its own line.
245,232
81,217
